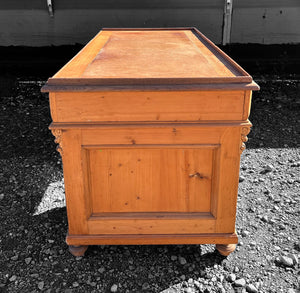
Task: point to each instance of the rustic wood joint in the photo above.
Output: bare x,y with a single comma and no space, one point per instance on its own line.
58,139
245,131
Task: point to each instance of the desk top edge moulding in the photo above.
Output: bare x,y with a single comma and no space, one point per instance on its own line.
150,124
181,46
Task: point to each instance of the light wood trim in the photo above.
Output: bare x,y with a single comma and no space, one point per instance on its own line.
151,215
149,28
152,146
77,203
141,135
213,238
76,66
146,226
215,191
247,104
163,87
229,163
87,181
132,124
148,81
52,102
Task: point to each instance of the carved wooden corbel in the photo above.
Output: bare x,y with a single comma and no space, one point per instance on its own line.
58,139
244,132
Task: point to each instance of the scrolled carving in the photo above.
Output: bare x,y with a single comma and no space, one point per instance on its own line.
244,132
58,139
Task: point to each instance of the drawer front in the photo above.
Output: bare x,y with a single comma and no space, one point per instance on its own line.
148,106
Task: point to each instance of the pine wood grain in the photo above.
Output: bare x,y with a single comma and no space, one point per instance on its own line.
78,208
76,66
160,54
247,104
148,135
160,179
149,106
117,239
150,226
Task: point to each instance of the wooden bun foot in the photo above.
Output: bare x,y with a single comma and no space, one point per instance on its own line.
78,250
225,249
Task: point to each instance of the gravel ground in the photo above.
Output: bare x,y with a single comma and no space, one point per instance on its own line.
34,256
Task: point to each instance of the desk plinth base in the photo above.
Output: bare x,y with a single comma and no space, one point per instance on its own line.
225,242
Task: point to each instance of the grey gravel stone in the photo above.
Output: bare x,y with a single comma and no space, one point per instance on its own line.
251,288
182,260
286,261
214,279
296,164
294,258
197,284
267,169
1,196
240,282
231,278
242,178
28,260
245,233
13,278
15,257
114,288
290,290
173,257
41,285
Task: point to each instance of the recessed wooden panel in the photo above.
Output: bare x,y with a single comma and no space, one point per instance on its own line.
161,179
149,106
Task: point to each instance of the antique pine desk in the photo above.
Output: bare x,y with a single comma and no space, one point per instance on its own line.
150,124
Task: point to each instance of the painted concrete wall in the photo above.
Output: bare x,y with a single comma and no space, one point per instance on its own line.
77,21
261,21
266,21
